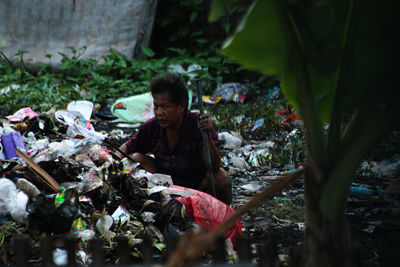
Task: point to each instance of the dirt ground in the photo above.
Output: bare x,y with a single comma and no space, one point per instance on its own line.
374,221
374,218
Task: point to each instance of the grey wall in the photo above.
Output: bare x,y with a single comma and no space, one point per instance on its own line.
48,26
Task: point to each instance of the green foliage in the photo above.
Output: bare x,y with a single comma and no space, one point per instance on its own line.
110,77
183,24
6,230
318,48
241,117
287,209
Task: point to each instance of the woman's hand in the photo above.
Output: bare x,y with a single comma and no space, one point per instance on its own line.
205,123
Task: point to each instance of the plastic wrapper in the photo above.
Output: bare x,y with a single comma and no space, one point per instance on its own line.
211,99
99,153
21,114
121,215
159,179
86,235
257,124
90,181
78,226
128,165
104,223
273,93
148,216
60,197
65,149
34,146
78,126
79,131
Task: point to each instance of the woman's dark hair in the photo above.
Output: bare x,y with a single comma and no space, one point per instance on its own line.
173,84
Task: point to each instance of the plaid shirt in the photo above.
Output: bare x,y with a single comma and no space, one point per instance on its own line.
185,163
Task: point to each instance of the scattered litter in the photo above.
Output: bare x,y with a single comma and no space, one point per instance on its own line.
104,223
231,92
388,167
21,114
60,257
282,222
273,93
84,107
230,141
211,99
251,188
7,89
257,124
360,191
137,108
11,141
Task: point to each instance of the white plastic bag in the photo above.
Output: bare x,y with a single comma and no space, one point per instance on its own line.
12,201
230,141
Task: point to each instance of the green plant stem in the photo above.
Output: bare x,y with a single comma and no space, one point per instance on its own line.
308,107
337,108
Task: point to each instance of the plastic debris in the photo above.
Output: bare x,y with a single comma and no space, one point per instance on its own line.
273,93
388,167
257,124
84,107
251,188
231,92
12,201
60,257
11,141
359,191
230,141
104,223
21,114
137,108
211,99
121,215
78,226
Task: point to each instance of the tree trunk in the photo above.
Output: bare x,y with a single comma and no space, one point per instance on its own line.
327,242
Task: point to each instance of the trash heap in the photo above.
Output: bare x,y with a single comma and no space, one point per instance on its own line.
59,178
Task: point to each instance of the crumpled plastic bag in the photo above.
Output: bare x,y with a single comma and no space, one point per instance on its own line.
137,108
78,127
207,211
230,141
21,114
388,167
12,201
44,216
230,91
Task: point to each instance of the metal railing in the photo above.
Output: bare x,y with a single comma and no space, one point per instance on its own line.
266,253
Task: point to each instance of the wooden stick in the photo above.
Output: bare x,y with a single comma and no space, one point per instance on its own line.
205,141
192,245
53,184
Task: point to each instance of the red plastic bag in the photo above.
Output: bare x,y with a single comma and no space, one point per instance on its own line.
208,212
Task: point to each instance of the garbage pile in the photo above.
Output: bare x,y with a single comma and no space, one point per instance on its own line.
59,177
